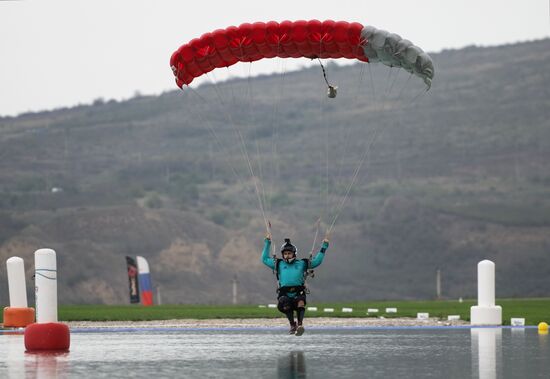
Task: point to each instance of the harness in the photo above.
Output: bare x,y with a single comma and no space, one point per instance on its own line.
300,290
308,271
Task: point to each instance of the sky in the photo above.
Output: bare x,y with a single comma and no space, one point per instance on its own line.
61,53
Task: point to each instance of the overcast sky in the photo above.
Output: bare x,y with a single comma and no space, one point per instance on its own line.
62,53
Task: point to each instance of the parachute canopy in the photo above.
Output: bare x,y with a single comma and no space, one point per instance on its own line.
296,39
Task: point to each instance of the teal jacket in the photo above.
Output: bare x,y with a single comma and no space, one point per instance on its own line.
292,274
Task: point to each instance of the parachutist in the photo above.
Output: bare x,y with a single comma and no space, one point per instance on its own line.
291,275
332,91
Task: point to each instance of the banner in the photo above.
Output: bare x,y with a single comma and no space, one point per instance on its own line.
133,279
146,290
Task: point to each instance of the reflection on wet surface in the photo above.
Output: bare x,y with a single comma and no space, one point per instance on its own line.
292,366
486,352
452,353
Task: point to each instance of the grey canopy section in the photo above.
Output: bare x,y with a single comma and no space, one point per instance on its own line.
392,50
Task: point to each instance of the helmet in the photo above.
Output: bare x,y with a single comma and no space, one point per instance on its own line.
287,246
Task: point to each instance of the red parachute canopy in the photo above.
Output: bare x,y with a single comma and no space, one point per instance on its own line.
252,42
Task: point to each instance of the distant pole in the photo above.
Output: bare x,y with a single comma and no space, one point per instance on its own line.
159,299
235,282
438,284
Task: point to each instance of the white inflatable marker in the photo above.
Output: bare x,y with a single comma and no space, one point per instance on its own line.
261,306
18,314
313,309
372,310
391,310
453,317
272,305
46,285
516,321
486,312
16,282
486,283
422,316
328,310
347,310
46,334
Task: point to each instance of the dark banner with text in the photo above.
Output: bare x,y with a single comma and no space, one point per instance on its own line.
133,279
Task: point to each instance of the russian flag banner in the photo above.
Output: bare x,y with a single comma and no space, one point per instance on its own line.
144,277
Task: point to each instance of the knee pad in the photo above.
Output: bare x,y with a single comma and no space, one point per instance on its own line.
300,299
285,304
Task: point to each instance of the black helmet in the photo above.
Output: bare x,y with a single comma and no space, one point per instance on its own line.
287,246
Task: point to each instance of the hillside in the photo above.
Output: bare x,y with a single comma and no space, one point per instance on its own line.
453,176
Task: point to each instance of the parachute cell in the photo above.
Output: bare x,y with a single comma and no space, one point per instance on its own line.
295,39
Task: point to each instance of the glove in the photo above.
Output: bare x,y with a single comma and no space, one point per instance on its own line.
324,246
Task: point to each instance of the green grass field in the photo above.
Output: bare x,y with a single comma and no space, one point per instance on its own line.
533,310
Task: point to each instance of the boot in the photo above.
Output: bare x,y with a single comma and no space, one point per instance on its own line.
292,328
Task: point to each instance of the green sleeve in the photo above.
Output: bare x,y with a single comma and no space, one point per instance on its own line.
266,259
